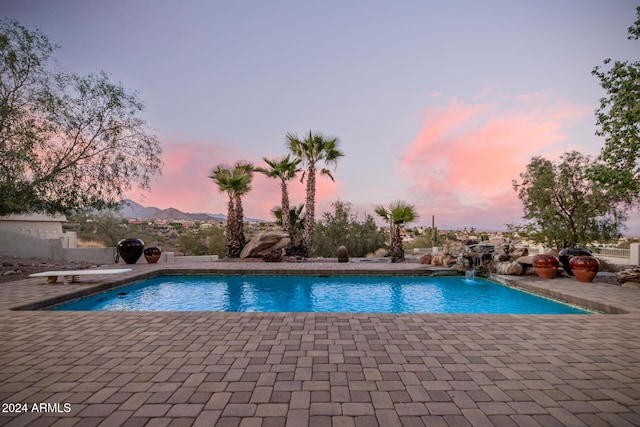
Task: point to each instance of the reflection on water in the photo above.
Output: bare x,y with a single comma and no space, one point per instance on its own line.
313,294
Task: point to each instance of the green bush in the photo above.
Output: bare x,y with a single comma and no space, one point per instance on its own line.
342,227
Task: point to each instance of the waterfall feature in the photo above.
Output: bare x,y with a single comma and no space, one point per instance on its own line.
476,255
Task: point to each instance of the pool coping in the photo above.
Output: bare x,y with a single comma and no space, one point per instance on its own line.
564,290
220,368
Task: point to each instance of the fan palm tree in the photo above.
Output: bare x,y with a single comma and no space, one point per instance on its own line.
312,150
296,217
235,181
284,169
243,171
385,213
397,214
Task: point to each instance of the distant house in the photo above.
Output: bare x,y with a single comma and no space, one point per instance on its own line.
42,222
41,226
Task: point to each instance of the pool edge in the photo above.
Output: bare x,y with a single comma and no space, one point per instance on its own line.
511,281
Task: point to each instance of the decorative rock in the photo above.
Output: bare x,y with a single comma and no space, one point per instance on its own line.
449,260
454,248
512,268
501,253
426,259
264,243
525,260
273,256
628,275
518,253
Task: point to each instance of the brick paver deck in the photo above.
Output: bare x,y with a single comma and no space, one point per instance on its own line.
319,369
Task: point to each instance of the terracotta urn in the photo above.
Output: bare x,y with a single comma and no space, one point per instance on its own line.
130,250
566,254
546,266
584,267
152,254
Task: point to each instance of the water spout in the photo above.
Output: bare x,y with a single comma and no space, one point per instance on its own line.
470,274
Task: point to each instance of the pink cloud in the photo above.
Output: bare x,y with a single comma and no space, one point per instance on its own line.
184,183
463,160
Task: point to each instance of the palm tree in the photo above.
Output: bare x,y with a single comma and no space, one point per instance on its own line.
243,171
397,214
235,181
284,169
296,217
385,213
312,150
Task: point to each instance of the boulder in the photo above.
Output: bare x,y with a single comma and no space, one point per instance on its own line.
454,248
518,253
449,260
628,275
512,268
501,252
273,256
426,259
526,260
264,243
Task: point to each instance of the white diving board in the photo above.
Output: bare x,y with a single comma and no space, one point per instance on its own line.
72,276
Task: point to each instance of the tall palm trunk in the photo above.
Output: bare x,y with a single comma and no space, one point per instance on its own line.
286,216
239,228
231,243
309,222
397,251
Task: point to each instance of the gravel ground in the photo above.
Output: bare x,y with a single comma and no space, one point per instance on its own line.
18,268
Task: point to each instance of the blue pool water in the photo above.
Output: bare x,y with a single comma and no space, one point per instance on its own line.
320,294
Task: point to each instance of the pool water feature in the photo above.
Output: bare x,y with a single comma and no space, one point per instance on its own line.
363,294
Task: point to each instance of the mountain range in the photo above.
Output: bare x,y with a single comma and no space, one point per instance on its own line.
134,210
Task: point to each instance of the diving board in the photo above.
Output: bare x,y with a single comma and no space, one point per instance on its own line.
73,276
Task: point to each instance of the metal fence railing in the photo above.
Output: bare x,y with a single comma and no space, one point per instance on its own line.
612,252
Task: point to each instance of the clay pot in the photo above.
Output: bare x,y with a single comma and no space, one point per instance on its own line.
152,254
130,250
566,254
584,268
546,266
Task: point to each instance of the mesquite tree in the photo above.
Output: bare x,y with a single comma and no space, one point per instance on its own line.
618,120
66,141
565,206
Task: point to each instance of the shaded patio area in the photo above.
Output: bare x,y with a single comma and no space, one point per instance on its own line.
320,369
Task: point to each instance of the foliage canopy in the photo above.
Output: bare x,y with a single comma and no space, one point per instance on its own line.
618,120
66,141
342,227
565,205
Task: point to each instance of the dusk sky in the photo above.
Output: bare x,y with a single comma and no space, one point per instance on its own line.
439,103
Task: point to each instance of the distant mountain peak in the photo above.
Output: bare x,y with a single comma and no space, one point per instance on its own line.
134,210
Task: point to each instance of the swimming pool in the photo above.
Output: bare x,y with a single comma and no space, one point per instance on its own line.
361,294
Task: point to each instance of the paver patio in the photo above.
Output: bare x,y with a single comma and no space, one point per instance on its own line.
319,369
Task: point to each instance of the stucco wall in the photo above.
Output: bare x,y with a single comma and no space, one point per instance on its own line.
16,243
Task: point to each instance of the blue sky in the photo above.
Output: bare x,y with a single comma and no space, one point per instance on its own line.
441,104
